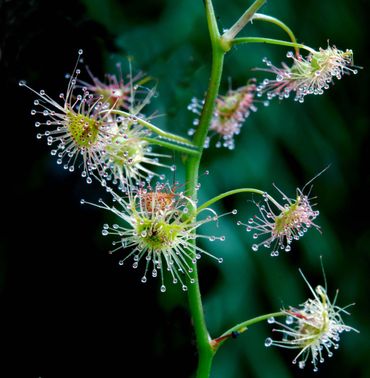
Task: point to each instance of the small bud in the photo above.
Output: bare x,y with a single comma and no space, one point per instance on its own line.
281,224
310,75
312,328
230,113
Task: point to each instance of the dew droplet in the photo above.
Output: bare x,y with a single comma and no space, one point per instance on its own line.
301,364
163,288
268,342
191,132
289,320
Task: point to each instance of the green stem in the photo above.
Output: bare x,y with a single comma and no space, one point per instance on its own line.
205,350
280,24
214,81
229,193
151,127
203,340
171,146
271,41
243,326
243,20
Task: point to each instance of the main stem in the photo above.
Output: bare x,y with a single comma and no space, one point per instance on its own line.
219,48
205,351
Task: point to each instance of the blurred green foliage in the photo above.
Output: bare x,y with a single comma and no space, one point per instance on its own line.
286,143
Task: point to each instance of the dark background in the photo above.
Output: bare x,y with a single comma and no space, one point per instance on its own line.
67,308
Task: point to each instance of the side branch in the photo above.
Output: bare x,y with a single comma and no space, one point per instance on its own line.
172,146
280,24
242,327
151,127
246,17
230,193
271,41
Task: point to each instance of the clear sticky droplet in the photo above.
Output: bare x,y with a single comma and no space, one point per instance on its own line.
268,342
289,320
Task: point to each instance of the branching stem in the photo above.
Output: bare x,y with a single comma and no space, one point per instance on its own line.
151,127
242,327
271,41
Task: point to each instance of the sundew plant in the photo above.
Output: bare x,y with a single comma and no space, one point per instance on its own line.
104,129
